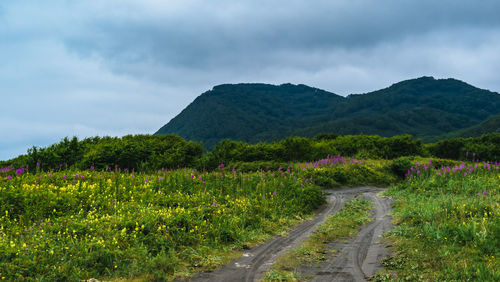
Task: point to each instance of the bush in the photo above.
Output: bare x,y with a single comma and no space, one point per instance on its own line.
400,166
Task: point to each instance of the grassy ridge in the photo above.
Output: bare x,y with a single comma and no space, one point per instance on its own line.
447,224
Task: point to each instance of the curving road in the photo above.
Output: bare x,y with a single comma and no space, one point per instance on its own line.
355,259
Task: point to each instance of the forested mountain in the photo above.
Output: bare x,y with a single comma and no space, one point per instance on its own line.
424,107
490,125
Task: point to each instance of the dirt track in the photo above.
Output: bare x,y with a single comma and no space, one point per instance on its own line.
355,259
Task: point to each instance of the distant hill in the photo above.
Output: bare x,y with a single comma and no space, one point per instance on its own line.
488,126
424,107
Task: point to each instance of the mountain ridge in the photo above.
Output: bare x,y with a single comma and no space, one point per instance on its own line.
424,107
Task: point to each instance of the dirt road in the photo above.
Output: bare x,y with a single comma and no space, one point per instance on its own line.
355,259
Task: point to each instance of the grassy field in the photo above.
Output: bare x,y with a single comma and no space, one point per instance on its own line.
448,224
114,224
118,224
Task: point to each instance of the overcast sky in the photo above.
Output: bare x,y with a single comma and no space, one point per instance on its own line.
117,67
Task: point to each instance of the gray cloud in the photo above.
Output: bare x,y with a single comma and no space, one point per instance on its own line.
127,66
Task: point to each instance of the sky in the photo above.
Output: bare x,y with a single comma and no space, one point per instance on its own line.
118,67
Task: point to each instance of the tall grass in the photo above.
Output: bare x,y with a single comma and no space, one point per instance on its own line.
448,225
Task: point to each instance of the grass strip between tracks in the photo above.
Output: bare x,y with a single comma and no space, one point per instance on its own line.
343,224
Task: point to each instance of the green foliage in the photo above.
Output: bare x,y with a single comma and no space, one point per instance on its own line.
77,225
447,226
484,147
401,166
423,107
144,152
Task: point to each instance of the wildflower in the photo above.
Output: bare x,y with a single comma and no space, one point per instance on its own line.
214,204
9,177
200,178
484,192
91,167
274,193
307,180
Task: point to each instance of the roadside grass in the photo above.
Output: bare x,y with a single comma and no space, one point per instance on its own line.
447,225
314,250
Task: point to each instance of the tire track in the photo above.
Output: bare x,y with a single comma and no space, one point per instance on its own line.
253,264
360,257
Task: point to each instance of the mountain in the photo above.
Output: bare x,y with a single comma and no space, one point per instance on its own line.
490,125
424,107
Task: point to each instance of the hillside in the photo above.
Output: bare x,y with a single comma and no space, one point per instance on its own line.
490,125
424,107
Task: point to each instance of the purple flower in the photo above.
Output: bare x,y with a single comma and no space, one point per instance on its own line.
262,175
37,164
484,192
91,167
9,177
267,167
274,193
199,178
82,177
192,176
307,180
214,204
221,165
479,194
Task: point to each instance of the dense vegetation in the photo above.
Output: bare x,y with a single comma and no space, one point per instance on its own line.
147,153
488,126
448,226
423,107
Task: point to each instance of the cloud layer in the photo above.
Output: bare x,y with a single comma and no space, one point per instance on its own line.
123,67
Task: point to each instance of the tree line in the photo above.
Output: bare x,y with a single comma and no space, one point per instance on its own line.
150,152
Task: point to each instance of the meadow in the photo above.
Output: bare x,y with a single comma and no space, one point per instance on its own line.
112,223
447,223
74,224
